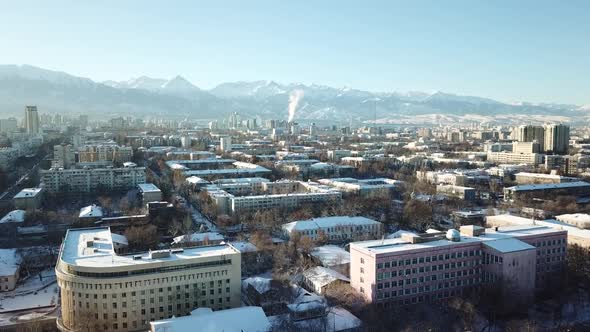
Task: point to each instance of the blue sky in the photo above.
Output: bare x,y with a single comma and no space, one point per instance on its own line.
508,50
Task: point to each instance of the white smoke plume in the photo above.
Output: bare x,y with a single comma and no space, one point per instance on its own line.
294,98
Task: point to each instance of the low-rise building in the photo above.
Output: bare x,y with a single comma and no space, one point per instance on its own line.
85,180
149,192
243,319
29,198
529,191
335,229
318,279
9,269
515,158
539,178
377,187
464,193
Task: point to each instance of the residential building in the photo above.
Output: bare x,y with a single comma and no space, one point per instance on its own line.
539,178
84,180
529,191
103,290
9,125
63,156
557,138
32,120
515,158
318,279
377,187
225,144
531,133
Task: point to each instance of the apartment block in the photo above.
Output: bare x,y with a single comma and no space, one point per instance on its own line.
335,229
84,180
102,290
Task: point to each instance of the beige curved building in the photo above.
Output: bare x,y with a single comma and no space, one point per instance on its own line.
103,291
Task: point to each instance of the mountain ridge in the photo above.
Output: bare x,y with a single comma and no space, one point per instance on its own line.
60,91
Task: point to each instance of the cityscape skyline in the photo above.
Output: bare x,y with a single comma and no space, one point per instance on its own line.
500,52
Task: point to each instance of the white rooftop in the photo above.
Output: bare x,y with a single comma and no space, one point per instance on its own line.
148,188
325,222
28,192
331,255
13,216
564,185
93,247
9,262
91,211
243,319
199,237
398,244
508,245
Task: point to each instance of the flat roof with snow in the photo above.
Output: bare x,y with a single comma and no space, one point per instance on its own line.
13,216
28,192
243,319
93,248
148,188
325,222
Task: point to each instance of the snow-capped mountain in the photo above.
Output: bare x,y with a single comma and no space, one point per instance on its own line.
175,85
55,91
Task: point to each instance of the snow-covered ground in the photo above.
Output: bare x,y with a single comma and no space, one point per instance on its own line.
33,293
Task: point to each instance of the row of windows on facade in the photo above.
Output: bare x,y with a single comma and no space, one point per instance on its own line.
428,278
425,269
152,291
145,322
426,259
148,282
179,306
428,288
422,298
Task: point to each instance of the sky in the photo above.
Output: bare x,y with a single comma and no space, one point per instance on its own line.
524,50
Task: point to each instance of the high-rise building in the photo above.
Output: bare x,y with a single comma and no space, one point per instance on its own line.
313,129
63,156
83,121
31,120
225,144
531,133
9,125
557,137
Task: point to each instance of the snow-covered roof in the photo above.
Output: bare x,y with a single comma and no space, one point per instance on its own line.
509,245
307,301
9,262
244,246
196,180
337,319
93,247
13,216
331,255
261,284
321,276
120,239
28,192
576,219
91,211
198,237
399,234
547,186
148,188
243,319
325,222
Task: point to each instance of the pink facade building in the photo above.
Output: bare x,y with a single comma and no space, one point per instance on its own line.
429,267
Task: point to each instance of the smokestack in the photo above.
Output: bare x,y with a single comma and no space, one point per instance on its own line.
294,98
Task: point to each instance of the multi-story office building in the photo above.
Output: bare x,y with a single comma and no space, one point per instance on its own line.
540,178
377,187
63,156
526,147
557,138
31,120
429,267
225,144
84,180
461,192
101,290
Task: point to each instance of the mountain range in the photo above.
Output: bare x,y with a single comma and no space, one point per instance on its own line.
54,91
